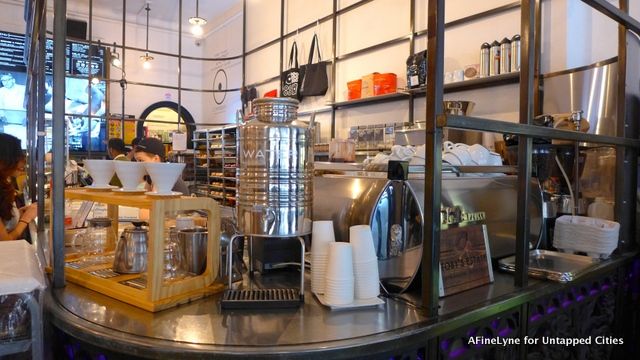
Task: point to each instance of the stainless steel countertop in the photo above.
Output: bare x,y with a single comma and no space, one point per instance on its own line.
311,331
203,322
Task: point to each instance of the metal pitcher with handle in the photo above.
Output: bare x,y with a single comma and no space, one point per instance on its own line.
131,252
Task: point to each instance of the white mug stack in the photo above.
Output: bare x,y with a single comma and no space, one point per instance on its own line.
463,154
321,236
339,280
365,262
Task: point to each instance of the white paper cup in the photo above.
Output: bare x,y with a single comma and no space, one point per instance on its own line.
101,171
321,235
361,239
318,274
340,292
340,264
367,280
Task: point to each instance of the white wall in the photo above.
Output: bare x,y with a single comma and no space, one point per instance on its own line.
572,35
225,40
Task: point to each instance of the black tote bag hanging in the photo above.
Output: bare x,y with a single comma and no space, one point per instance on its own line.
315,82
291,79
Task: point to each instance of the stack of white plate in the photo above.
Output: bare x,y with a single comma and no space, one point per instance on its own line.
596,237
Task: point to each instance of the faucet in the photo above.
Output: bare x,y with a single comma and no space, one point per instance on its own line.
576,118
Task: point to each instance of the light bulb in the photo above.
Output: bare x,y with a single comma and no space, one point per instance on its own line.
116,62
146,61
197,30
95,81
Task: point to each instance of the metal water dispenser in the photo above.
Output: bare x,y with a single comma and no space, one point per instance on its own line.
275,190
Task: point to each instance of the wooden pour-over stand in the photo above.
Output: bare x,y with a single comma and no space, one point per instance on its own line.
156,294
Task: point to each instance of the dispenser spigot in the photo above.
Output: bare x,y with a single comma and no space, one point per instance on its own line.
576,118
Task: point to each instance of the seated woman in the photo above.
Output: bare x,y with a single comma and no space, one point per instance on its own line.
13,221
152,150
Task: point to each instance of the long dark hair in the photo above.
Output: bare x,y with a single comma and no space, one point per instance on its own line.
10,155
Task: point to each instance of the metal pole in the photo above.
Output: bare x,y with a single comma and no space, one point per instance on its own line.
122,65
42,78
244,43
89,78
58,149
179,64
412,49
527,22
626,157
433,149
31,110
334,67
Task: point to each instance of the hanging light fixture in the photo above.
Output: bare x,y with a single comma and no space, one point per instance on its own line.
197,22
115,57
146,58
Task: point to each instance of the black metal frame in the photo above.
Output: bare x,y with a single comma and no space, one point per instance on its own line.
627,140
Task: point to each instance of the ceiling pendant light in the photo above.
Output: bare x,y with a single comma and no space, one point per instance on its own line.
115,57
197,22
146,58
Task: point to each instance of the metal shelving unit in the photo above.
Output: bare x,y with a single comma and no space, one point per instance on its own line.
215,163
333,105
627,142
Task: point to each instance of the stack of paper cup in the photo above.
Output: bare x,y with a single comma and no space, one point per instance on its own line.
321,236
365,262
339,280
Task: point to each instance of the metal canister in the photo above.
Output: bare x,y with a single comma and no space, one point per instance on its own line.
505,56
484,59
275,173
494,58
515,53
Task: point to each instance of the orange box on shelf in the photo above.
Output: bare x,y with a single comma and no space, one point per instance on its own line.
367,85
384,83
354,89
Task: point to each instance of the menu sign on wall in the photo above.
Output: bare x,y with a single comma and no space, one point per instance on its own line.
80,58
84,60
12,52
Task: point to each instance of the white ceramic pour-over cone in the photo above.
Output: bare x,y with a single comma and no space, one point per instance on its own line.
130,173
101,171
164,175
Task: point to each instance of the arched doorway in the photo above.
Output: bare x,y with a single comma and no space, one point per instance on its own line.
161,119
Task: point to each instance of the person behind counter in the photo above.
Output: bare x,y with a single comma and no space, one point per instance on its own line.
13,221
152,150
134,143
118,152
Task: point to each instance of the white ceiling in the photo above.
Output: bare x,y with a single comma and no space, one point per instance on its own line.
163,13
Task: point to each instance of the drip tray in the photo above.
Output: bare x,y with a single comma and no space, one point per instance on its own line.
261,299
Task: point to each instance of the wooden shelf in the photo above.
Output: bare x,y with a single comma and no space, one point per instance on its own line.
156,294
110,197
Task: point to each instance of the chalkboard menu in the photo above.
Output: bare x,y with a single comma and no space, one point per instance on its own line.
76,62
12,52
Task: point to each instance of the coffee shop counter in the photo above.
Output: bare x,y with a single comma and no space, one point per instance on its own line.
84,319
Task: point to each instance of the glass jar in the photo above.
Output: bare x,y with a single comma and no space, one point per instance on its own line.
98,238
